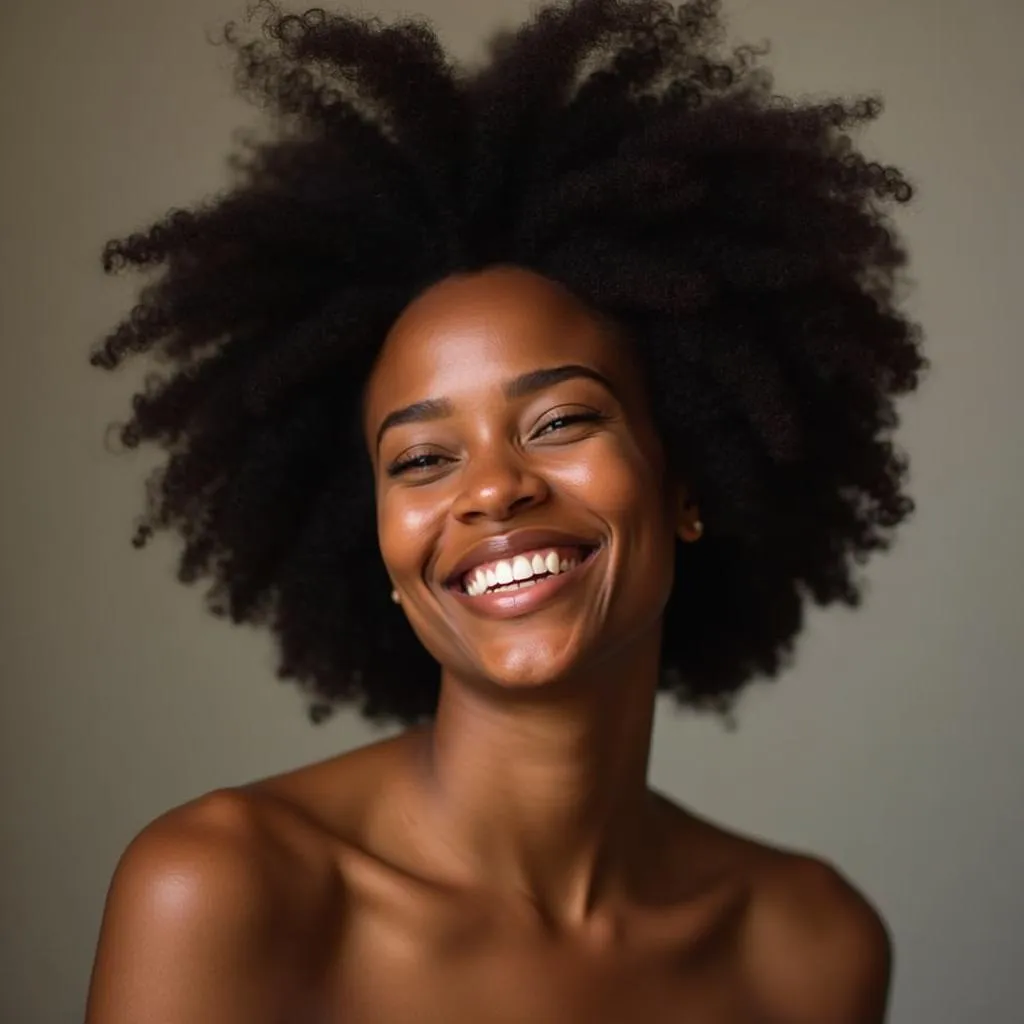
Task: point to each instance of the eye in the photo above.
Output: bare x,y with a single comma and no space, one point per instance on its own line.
415,464
563,421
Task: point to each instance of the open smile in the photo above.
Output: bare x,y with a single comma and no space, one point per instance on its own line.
508,587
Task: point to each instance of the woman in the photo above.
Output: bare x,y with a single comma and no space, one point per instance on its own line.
507,397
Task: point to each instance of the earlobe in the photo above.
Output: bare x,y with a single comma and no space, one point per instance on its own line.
691,527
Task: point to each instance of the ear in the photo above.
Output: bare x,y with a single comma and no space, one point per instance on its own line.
689,526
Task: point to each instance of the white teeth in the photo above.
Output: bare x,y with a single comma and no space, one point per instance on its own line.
517,573
521,568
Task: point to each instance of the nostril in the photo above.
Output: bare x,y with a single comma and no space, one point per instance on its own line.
497,491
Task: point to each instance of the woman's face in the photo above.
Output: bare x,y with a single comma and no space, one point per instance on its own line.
523,509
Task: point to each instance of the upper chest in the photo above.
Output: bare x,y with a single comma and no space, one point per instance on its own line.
400,964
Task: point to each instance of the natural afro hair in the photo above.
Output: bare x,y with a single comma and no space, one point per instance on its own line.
740,240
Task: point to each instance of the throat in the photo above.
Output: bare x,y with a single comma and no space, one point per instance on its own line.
550,811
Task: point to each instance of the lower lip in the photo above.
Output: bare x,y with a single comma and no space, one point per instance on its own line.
509,604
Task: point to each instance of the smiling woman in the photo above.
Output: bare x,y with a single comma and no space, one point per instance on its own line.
506,397
522,436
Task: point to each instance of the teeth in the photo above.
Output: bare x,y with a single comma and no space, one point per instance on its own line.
521,568
507,588
517,573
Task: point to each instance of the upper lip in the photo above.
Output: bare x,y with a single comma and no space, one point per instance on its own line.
508,545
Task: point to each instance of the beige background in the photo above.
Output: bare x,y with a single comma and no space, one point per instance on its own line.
892,748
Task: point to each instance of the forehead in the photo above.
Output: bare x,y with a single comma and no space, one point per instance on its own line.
470,333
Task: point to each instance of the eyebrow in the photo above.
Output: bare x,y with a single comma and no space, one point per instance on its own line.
519,387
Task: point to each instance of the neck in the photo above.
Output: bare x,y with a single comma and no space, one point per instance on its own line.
545,799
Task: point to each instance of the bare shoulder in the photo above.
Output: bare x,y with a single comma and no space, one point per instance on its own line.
211,914
812,947
815,948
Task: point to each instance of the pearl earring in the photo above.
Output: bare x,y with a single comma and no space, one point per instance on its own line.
395,597
698,528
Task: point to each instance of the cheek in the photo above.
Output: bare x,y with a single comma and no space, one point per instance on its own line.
618,481
626,487
405,528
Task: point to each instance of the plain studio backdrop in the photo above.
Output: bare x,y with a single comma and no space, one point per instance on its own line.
893,745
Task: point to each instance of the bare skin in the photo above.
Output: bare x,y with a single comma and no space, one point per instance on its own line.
507,863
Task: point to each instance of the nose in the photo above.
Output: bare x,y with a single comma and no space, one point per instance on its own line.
497,486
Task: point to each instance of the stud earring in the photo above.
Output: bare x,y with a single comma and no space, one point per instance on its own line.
395,597
692,532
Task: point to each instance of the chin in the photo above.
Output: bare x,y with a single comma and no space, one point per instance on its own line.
529,665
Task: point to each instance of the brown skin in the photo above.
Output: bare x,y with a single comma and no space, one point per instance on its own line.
508,863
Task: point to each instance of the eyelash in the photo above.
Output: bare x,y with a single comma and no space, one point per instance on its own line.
568,419
428,461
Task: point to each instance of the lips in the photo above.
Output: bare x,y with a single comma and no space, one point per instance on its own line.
509,545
